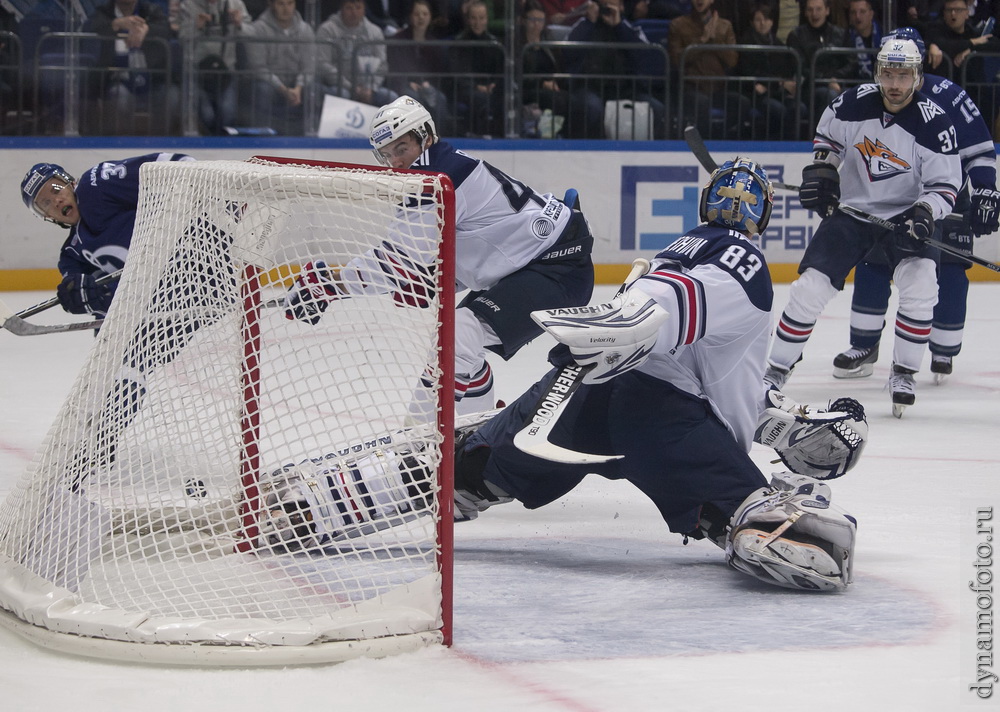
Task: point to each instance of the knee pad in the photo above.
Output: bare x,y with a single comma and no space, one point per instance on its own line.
809,295
916,280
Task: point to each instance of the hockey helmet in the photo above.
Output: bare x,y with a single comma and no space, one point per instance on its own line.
739,196
36,177
907,33
899,54
397,119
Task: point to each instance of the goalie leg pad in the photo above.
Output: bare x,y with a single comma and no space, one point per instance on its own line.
321,501
790,535
820,443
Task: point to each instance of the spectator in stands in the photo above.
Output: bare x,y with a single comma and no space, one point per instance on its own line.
213,27
390,16
479,87
816,33
615,74
564,12
134,39
581,112
417,70
353,60
704,97
864,33
956,36
284,72
778,110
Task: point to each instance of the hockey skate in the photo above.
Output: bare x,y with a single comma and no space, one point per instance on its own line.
903,389
941,367
856,362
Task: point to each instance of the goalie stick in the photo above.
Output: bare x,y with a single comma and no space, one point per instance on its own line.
700,151
16,324
533,438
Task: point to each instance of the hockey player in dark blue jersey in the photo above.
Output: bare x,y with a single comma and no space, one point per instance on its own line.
515,250
978,204
890,151
99,211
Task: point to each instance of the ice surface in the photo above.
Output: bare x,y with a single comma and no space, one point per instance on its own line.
592,605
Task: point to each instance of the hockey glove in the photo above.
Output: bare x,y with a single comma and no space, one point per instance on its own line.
80,294
820,189
312,292
985,211
614,337
914,227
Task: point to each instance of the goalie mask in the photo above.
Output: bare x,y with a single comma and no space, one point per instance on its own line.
899,71
395,120
36,179
738,196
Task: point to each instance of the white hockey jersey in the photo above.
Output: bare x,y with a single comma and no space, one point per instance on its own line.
500,225
888,161
715,285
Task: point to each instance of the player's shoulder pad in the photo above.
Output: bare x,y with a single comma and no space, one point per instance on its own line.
858,104
443,158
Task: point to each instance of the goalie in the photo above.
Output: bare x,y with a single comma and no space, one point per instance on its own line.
674,384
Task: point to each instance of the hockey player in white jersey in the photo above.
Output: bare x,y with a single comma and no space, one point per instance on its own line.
892,152
674,387
977,209
516,251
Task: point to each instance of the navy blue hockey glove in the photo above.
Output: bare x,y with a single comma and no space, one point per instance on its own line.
985,211
914,227
956,233
311,293
820,189
80,294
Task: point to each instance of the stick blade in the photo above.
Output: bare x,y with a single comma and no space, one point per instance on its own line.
540,447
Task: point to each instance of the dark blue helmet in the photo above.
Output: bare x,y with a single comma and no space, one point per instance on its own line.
38,176
908,33
739,196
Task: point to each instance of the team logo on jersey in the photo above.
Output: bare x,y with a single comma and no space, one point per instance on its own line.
881,161
865,89
928,109
542,227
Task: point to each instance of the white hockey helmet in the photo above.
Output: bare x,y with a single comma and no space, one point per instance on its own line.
397,119
899,54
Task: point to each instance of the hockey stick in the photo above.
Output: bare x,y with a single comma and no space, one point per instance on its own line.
533,438
16,324
700,151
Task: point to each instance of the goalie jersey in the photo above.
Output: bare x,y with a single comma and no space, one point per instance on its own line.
107,196
715,285
500,226
888,162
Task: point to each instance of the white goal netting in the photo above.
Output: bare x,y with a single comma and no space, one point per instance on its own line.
140,518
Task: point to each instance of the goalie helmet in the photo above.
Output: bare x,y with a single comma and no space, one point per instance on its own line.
35,179
397,119
899,54
739,196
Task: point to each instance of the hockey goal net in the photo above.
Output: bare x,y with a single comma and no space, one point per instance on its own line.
141,531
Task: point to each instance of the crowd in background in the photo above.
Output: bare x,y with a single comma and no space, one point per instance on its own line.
737,69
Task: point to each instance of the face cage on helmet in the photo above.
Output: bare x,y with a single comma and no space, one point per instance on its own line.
67,183
754,228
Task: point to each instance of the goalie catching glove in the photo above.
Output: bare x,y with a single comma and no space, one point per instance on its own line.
313,290
789,534
614,337
824,444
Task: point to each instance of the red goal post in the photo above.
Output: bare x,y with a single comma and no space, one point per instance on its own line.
143,528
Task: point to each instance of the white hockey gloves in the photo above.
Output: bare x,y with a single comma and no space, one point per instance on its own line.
614,337
324,500
790,535
820,443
